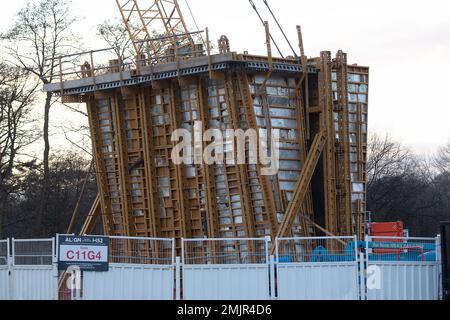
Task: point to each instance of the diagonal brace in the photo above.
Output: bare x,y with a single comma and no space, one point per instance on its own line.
302,185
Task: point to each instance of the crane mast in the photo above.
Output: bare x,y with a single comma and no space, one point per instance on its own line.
157,29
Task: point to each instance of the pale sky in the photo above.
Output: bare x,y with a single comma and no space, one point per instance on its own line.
406,43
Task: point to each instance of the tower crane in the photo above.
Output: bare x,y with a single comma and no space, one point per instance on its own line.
155,26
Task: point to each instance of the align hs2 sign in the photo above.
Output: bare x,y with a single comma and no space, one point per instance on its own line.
84,252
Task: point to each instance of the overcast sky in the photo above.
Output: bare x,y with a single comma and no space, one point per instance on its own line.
406,43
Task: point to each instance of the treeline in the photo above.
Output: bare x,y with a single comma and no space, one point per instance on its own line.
68,173
403,186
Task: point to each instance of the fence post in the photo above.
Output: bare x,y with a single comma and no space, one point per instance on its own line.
359,267
55,266
277,257
182,251
8,263
362,276
268,241
79,284
12,252
273,295
366,266
173,251
177,278
439,261
11,270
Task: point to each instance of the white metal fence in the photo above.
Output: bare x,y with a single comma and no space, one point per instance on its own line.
235,269
4,269
226,269
33,270
33,252
322,268
403,268
140,269
4,252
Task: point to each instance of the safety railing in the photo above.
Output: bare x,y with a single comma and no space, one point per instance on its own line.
33,252
91,64
95,63
4,252
225,251
317,249
135,250
399,249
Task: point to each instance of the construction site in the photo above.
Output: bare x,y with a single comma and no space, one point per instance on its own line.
311,210
320,106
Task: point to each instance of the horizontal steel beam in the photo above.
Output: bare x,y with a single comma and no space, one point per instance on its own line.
113,80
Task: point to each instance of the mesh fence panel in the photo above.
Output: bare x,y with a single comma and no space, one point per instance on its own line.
225,251
292,250
33,252
140,251
402,249
3,252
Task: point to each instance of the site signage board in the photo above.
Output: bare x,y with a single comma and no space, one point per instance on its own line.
88,253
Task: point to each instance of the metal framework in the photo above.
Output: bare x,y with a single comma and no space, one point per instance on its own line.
156,28
319,106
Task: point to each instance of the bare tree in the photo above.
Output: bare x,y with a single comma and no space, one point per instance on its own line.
442,160
16,129
115,34
78,135
386,158
41,33
70,187
402,186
